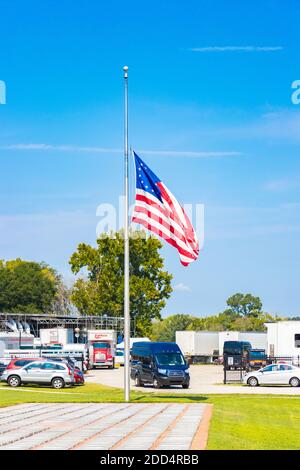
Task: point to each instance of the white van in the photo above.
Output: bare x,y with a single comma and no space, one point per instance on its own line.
119,358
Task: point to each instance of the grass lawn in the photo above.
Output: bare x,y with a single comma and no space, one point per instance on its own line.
238,422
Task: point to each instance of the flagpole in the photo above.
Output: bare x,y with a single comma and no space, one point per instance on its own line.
126,249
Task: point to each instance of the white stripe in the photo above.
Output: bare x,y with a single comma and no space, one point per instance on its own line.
178,208
182,257
149,196
165,206
167,232
180,212
155,210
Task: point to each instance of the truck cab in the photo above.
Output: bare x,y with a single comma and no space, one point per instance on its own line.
102,346
257,358
236,354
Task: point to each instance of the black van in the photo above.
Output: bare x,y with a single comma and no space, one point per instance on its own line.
160,364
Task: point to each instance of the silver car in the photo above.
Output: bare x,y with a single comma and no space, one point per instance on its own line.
52,373
274,374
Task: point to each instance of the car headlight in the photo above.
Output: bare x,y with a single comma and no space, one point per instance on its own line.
162,371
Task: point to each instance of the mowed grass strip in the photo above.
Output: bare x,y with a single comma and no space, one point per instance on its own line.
239,422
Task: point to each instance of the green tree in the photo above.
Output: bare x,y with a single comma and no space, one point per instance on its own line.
101,291
245,305
165,330
27,286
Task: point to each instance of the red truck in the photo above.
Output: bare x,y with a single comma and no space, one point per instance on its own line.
102,347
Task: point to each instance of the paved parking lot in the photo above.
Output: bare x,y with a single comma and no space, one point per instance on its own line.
205,379
120,426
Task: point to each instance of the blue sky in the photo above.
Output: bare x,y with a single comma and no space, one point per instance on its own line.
210,111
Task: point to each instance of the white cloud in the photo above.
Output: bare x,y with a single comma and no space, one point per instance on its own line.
164,153
282,184
182,287
236,49
186,153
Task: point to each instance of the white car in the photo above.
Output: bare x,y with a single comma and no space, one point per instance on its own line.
274,374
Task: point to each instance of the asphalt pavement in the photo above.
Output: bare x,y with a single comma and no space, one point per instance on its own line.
205,379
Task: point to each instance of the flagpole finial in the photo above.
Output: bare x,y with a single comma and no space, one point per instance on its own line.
125,68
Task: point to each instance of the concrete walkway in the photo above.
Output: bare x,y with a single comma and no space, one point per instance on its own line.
205,379
120,426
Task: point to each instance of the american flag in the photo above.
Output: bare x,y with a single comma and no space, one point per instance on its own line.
158,211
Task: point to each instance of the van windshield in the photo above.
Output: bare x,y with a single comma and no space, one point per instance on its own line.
169,359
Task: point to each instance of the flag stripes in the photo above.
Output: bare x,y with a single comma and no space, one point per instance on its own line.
157,210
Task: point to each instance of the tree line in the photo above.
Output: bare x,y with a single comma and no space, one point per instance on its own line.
32,287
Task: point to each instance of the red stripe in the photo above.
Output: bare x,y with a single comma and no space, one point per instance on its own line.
189,232
161,221
161,234
159,205
187,238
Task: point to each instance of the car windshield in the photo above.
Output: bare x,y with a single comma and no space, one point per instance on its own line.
232,348
169,359
256,354
101,345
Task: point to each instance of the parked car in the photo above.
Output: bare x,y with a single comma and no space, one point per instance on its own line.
274,374
160,364
3,366
52,373
19,362
78,373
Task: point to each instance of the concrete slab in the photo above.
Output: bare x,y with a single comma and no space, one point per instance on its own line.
119,426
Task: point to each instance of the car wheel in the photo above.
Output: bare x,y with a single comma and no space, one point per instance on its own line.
252,381
137,381
14,381
57,383
156,383
294,382
185,385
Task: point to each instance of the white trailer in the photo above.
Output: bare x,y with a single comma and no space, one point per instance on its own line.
226,336
258,339
56,336
283,339
12,340
198,344
207,344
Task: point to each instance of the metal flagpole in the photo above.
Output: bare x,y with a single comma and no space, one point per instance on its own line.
126,249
